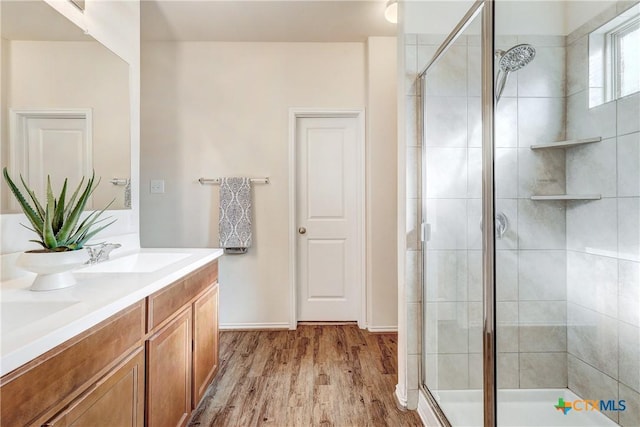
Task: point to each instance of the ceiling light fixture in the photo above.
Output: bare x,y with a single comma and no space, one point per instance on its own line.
391,11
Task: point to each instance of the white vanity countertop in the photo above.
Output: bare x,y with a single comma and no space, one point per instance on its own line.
35,322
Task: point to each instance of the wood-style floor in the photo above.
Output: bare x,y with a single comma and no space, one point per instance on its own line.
330,375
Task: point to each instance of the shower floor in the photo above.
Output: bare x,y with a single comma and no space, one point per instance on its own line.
518,408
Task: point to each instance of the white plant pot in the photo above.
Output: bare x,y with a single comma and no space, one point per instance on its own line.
53,269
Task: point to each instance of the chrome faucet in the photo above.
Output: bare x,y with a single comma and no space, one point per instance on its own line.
100,251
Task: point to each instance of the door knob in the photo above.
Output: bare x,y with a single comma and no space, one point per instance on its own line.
302,230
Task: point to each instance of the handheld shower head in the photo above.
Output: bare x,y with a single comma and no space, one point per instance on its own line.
512,60
517,57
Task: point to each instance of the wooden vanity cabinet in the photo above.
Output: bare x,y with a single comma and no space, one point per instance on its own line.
182,349
33,394
148,365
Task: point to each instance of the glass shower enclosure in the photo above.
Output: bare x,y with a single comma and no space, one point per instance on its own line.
530,119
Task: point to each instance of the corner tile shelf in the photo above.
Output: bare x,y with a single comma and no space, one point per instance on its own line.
566,144
568,197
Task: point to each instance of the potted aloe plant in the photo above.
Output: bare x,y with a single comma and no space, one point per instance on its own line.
61,231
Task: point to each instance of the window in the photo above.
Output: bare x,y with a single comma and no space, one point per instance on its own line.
614,58
624,44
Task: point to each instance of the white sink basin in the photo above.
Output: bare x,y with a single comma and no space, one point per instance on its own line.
14,314
142,262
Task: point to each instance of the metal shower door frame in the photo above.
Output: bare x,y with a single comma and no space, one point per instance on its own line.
486,8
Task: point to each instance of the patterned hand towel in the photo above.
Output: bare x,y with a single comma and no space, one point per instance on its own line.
235,215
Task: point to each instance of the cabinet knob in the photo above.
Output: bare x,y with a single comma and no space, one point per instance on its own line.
302,230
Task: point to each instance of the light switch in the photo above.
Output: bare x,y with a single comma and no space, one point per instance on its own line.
157,186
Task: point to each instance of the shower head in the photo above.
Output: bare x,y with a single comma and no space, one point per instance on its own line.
512,60
516,57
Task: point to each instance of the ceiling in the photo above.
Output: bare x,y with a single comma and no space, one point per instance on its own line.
264,20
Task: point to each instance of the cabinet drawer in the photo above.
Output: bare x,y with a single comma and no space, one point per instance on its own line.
34,392
168,301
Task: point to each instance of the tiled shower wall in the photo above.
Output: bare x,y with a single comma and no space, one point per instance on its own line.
530,259
531,256
413,258
560,263
603,239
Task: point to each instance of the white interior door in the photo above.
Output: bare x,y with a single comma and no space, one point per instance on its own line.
52,145
328,253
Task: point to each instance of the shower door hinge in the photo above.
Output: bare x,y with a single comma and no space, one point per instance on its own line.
425,232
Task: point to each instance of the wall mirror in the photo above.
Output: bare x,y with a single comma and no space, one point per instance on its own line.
64,106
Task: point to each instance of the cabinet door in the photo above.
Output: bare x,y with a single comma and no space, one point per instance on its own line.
116,400
205,342
169,373
41,388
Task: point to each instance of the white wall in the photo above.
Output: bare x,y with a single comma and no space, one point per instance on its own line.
519,17
432,17
221,109
538,17
580,11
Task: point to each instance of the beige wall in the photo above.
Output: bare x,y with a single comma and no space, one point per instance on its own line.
221,109
382,185
4,129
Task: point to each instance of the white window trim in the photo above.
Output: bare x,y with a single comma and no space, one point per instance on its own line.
612,49
603,77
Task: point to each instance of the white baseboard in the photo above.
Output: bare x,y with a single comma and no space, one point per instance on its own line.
253,326
286,325
424,411
401,398
383,329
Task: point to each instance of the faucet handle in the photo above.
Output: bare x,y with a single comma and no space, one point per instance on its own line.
100,251
94,251
106,250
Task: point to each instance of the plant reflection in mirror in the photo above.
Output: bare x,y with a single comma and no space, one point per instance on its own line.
57,222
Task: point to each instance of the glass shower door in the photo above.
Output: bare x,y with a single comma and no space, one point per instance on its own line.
452,202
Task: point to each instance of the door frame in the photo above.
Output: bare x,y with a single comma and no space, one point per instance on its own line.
301,113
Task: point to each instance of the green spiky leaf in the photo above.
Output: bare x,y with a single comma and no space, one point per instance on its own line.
57,222
58,218
48,234
34,198
72,219
31,214
72,200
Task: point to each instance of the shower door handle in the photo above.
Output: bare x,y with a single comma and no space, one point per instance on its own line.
425,232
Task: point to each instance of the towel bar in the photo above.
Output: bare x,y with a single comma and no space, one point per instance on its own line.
216,181
119,181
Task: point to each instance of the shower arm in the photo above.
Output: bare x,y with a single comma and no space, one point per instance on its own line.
501,81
